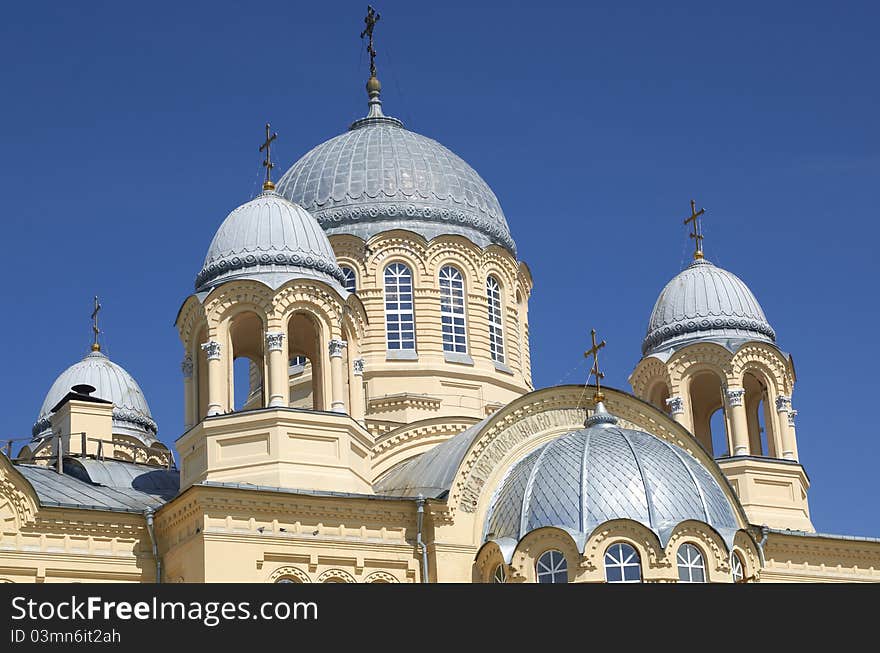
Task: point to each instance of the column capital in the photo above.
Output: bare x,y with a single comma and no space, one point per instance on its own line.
274,340
186,366
791,415
783,403
212,350
358,366
735,396
336,346
676,405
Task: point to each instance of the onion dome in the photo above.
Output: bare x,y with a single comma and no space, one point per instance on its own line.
131,415
587,477
270,239
380,176
705,302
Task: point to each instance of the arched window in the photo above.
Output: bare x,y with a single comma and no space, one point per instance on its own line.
691,568
622,564
496,328
350,283
399,320
552,567
500,574
736,568
288,579
452,310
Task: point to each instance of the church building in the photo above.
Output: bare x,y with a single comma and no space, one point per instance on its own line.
389,430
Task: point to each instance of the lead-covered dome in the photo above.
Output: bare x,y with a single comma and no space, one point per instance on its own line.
271,239
131,414
705,302
380,176
603,472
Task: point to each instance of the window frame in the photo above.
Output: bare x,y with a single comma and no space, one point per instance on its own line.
451,311
553,569
395,269
495,308
622,556
687,564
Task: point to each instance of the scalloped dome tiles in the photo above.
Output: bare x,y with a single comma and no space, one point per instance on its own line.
705,302
380,176
271,239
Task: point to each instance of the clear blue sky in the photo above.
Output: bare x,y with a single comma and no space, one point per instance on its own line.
130,130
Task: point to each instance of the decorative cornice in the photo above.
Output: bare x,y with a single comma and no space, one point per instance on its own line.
297,260
695,326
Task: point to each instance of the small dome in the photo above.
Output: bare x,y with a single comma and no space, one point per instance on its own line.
131,415
380,176
270,239
705,302
603,472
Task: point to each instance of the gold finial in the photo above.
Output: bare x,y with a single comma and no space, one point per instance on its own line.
267,162
370,21
697,233
594,352
96,346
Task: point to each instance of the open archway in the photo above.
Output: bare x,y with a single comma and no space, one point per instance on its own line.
706,400
305,348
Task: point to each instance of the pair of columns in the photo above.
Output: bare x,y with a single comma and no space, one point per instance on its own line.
739,425
278,381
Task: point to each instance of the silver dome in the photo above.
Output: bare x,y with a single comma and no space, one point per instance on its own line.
271,239
705,302
380,176
602,472
131,415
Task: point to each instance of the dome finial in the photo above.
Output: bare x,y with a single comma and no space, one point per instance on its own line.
267,162
697,233
374,87
594,371
96,346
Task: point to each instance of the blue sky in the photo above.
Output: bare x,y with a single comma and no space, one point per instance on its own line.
130,130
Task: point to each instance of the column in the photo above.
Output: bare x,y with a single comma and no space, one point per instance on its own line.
676,409
739,421
358,407
278,383
786,438
215,377
189,409
337,402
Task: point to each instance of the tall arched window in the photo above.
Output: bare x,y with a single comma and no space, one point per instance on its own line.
399,320
552,567
496,324
622,564
452,310
691,568
736,568
350,283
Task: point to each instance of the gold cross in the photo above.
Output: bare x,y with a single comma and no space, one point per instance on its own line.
370,21
96,346
594,352
267,162
697,233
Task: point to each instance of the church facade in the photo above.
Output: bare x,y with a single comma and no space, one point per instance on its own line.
389,430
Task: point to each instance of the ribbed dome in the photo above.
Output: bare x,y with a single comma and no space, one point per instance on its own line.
705,302
270,239
602,472
131,415
380,176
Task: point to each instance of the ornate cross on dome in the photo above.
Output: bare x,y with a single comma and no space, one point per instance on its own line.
370,21
267,162
96,346
594,352
697,233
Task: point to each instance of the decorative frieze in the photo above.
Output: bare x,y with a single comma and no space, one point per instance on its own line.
212,350
274,340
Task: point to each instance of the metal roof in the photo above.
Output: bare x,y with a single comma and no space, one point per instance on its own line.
156,481
66,491
380,176
705,302
272,239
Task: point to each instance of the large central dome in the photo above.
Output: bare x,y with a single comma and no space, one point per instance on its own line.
380,176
